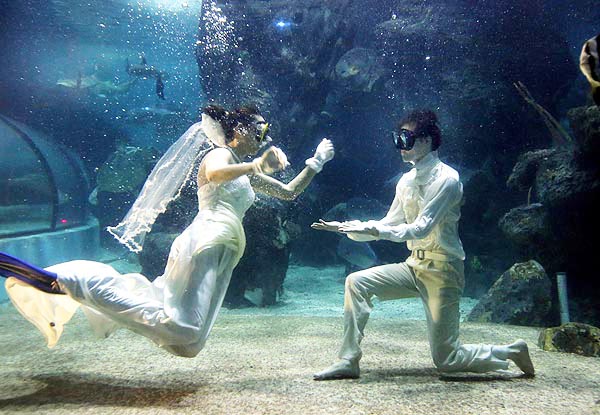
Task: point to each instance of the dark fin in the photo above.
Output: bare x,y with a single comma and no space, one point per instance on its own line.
160,87
596,95
143,58
36,277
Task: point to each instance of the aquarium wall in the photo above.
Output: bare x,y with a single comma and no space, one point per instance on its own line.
43,185
44,189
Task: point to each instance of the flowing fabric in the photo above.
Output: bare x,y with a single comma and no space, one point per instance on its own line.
178,309
166,180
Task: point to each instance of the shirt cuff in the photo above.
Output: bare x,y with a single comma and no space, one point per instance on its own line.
389,233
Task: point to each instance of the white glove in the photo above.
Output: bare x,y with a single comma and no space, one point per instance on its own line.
323,154
271,161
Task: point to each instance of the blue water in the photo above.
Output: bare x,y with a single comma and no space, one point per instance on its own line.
457,58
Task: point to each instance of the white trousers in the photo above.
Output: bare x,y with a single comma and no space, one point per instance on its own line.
176,311
440,285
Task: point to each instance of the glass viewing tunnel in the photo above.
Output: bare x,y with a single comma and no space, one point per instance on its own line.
44,215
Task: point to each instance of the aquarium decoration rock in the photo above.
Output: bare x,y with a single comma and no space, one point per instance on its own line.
126,169
521,296
265,262
359,69
153,257
559,211
585,123
527,224
578,338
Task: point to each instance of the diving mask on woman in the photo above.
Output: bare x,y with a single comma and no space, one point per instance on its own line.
262,129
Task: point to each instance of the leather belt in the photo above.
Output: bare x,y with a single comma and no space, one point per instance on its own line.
422,254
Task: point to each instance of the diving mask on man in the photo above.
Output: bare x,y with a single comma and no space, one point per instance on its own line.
405,140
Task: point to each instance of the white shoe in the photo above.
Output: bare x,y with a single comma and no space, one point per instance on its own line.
344,369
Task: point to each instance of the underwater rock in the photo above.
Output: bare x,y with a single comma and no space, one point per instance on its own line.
278,55
561,179
153,257
468,83
126,170
554,177
265,261
564,185
527,224
578,338
418,21
359,69
585,123
521,296
525,170
567,189
488,254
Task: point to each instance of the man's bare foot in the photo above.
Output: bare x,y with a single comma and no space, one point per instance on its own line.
520,355
344,369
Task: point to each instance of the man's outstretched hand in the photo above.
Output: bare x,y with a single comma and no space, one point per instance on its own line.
331,226
360,228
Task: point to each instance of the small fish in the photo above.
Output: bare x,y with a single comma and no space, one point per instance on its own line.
589,64
359,254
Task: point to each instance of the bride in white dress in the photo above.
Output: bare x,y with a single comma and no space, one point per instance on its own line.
179,308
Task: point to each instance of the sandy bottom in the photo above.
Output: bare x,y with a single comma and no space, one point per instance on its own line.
260,361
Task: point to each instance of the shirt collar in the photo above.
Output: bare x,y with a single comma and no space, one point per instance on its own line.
424,166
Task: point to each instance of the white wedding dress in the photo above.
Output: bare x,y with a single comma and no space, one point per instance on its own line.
178,309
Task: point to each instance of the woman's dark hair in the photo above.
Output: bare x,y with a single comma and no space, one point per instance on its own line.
426,124
230,119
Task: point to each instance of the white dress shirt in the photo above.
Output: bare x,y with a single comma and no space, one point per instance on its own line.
425,211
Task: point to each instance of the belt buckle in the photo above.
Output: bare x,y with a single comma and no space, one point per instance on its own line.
420,254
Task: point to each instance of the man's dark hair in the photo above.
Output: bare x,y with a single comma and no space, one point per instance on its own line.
426,124
229,119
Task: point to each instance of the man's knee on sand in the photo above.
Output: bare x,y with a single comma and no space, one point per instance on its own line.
445,357
185,350
443,362
355,283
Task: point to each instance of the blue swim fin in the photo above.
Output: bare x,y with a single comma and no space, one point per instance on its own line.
36,277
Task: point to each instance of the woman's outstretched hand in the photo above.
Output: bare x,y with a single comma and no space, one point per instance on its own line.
331,226
271,161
